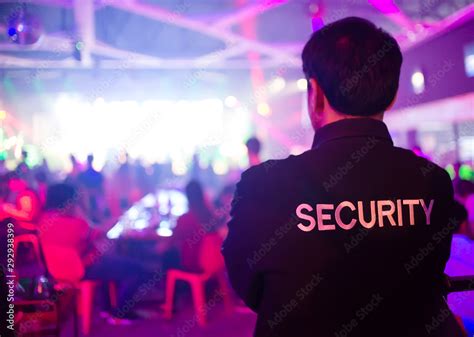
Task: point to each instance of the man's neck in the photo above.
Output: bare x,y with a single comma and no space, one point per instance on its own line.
330,116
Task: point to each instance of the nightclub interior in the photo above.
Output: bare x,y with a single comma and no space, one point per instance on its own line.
126,126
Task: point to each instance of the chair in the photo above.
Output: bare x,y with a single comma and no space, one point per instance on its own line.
36,269
212,265
32,239
28,239
65,265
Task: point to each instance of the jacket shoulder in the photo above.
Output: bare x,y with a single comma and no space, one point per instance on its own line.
270,169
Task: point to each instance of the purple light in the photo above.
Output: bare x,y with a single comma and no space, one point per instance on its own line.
385,6
317,23
11,31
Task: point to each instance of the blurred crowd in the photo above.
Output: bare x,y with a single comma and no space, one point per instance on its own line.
77,210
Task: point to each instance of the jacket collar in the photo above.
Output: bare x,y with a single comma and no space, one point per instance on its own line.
352,127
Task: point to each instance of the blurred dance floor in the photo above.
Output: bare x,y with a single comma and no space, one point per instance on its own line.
220,324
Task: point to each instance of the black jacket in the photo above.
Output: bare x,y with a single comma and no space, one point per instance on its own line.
336,241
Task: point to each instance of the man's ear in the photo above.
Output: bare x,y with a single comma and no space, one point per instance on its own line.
390,106
312,91
315,102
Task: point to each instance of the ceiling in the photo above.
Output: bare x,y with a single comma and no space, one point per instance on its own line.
205,34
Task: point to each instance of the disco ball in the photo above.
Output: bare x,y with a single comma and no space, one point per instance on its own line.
24,29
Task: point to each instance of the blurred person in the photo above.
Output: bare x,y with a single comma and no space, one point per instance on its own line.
462,187
91,178
142,180
156,175
195,172
92,183
76,170
460,262
24,161
192,226
4,190
253,151
3,167
462,214
42,185
63,225
21,203
42,175
464,193
123,185
326,243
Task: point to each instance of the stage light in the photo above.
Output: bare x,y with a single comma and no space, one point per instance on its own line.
77,51
418,82
220,167
277,85
116,231
24,28
231,101
317,23
302,84
99,101
153,130
469,65
163,231
178,167
313,9
297,150
411,35
234,150
79,45
263,109
3,114
316,8
385,6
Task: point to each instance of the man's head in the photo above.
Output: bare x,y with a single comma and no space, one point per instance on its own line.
253,150
90,160
253,146
353,70
194,193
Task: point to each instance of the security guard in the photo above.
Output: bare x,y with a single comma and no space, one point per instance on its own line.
351,237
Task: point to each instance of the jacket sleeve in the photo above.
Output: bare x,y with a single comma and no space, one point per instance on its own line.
243,240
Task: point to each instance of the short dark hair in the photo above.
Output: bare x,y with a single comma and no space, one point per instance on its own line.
356,64
253,145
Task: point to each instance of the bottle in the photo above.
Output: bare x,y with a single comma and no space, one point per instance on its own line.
42,288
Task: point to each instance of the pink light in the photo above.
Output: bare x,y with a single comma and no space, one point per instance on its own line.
317,23
385,6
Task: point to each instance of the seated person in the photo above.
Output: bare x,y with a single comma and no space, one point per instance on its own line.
22,203
62,225
192,227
